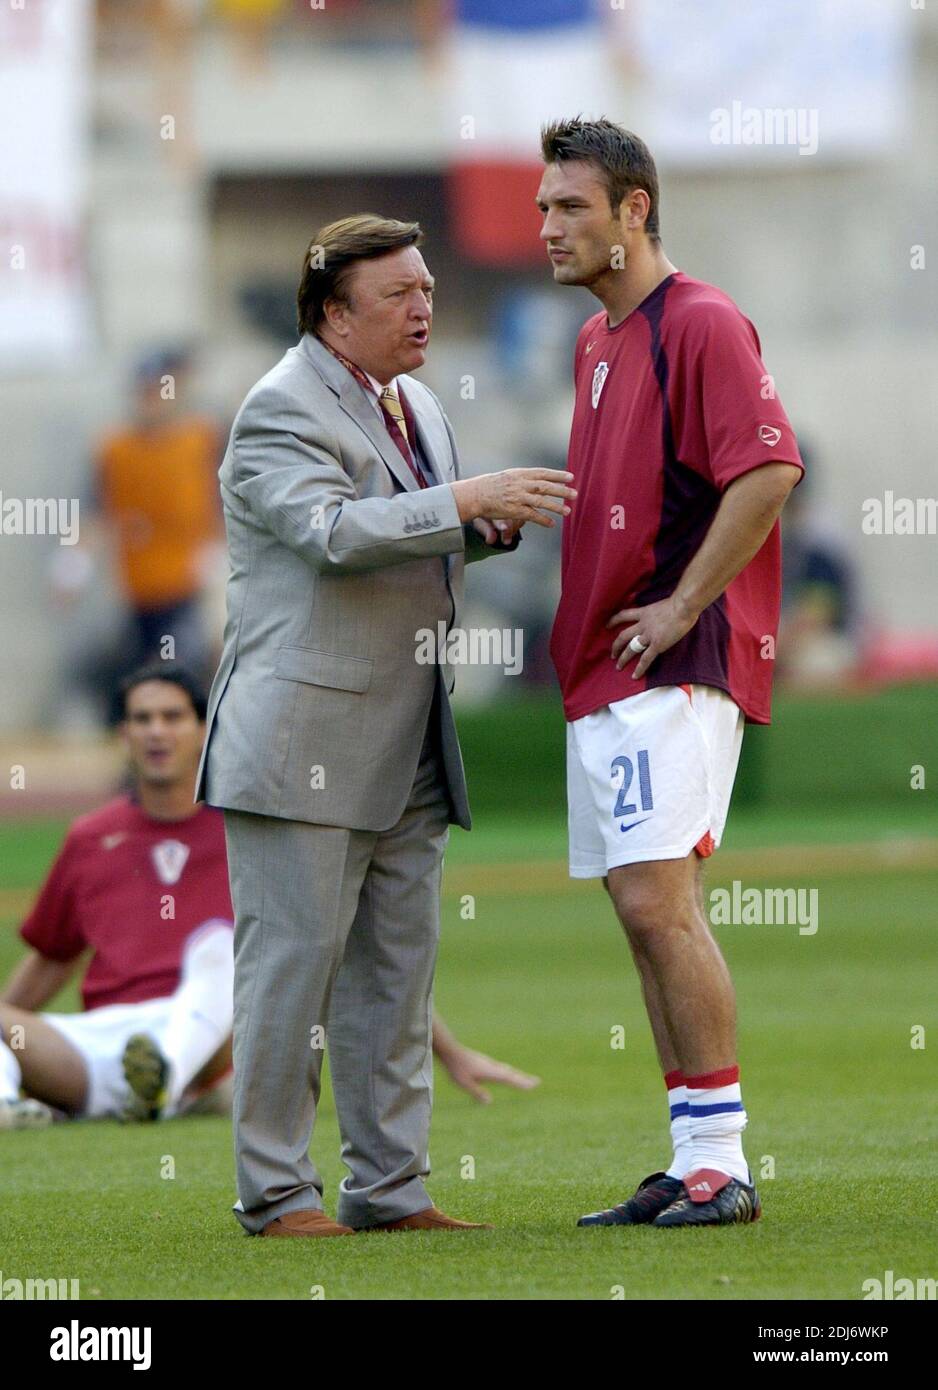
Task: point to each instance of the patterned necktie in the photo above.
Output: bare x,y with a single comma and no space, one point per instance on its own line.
391,402
392,412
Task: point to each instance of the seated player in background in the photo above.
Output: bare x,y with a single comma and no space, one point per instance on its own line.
143,884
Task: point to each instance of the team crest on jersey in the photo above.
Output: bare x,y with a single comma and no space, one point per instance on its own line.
599,381
169,860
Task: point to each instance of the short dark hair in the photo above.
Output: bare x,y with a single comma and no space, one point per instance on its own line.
333,252
624,160
175,674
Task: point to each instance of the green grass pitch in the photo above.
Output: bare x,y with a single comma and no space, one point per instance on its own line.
838,1100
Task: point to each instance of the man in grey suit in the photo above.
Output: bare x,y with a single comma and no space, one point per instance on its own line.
330,747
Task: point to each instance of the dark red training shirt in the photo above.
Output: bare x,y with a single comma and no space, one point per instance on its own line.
672,405
117,878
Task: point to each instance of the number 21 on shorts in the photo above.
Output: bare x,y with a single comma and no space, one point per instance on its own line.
628,808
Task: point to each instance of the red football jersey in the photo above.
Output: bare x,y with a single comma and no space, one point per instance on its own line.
132,889
672,405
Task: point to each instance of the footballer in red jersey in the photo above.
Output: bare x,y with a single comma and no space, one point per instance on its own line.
139,894
682,457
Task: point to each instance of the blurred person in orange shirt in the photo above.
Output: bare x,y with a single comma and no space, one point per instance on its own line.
157,492
156,510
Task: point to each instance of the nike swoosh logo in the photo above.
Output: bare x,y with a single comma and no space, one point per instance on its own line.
624,828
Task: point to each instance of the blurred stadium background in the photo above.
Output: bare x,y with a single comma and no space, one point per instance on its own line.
170,159
163,167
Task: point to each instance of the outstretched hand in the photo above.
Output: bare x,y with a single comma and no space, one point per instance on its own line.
469,1069
516,495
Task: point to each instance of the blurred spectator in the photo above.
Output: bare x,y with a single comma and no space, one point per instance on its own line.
819,632
826,638
156,510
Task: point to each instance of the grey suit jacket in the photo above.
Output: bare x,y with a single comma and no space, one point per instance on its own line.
318,709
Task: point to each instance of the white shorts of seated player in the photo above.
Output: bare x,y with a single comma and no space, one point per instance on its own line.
189,1027
651,777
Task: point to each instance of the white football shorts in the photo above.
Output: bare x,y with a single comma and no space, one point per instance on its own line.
100,1036
650,777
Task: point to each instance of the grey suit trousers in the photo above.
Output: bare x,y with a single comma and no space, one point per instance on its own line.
336,935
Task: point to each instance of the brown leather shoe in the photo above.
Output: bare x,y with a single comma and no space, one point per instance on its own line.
429,1220
305,1223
